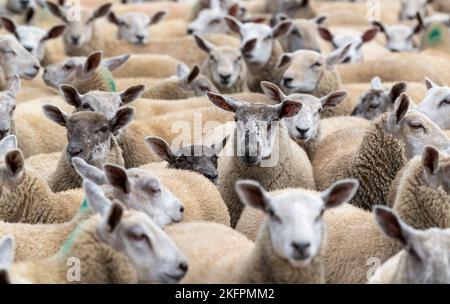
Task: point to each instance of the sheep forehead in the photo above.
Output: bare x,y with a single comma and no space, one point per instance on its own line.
223,52
30,32
104,102
206,15
86,119
309,102
398,31
254,30
296,204
255,112
141,175
305,58
192,150
414,115
437,94
135,17
345,39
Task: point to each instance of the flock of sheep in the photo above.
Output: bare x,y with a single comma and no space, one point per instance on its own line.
225,141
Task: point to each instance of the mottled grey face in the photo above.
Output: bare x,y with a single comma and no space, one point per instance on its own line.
378,99
7,107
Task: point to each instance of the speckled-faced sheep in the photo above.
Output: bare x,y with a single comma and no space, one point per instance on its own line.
260,148
380,153
116,237
224,66
33,38
91,137
310,72
378,99
424,259
355,242
436,104
290,241
261,50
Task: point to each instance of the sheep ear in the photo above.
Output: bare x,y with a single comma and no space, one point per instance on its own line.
397,90
117,177
55,32
92,62
376,84
114,217
333,99
219,147
14,87
9,24
234,10
101,11
420,25
95,197
193,74
288,108
325,34
203,44
122,118
160,147
87,171
7,251
55,114
132,93
224,102
340,192
284,60
7,144
282,29
430,84
392,225
380,26
305,3
272,91
116,62
369,35
114,19
430,160
233,24
249,46
252,194
71,95
338,55
182,70
401,107
29,15
56,10
14,163
158,17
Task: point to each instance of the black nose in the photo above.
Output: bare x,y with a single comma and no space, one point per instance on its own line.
36,67
300,249
225,78
287,81
190,31
183,267
355,112
395,50
74,151
181,209
302,131
140,37
29,48
75,39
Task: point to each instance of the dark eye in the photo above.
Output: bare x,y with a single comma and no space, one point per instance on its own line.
67,66
416,126
318,64
359,46
445,101
214,21
319,217
374,106
235,118
272,215
104,129
268,37
154,190
86,106
141,237
13,108
213,58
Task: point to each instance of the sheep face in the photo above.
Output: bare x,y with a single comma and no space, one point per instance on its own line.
294,218
136,189
20,6
153,254
425,258
257,39
304,35
436,105
32,38
399,38
256,126
197,158
305,68
16,60
410,8
89,134
355,54
134,27
7,107
192,80
208,21
378,99
303,126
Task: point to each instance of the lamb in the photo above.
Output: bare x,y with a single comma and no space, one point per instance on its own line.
309,72
306,128
114,237
431,246
378,99
198,158
287,250
187,83
355,241
33,38
134,27
224,66
381,152
436,104
15,60
85,73
264,151
260,49
91,137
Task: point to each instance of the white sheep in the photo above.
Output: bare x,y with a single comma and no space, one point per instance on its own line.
400,37
436,104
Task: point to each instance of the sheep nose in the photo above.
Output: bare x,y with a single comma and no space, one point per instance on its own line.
300,250
212,177
140,37
75,39
183,266
182,209
29,48
36,67
302,132
74,151
225,78
190,31
287,81
395,50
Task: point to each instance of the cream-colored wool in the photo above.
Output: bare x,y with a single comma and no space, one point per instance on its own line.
147,65
374,163
101,80
218,254
267,72
181,48
168,89
292,169
65,177
354,237
100,263
200,197
126,82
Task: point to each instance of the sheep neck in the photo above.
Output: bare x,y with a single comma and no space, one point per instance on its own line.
380,155
418,204
101,80
265,266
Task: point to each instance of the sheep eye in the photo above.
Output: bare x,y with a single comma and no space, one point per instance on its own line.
296,33
154,190
445,101
68,66
235,118
104,129
272,215
317,65
416,126
10,52
86,106
213,58
13,108
268,38
359,46
214,21
373,106
140,237
320,215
